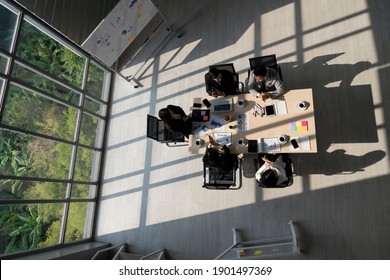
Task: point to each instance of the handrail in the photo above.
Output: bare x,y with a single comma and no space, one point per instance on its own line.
153,253
120,246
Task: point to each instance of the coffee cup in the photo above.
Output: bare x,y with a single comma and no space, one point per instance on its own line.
241,142
241,103
198,142
283,139
302,105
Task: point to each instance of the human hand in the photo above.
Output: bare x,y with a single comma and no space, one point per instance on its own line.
267,162
219,93
264,96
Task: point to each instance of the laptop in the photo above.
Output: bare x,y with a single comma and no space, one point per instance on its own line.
222,105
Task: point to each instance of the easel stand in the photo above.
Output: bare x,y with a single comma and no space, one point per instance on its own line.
132,78
262,249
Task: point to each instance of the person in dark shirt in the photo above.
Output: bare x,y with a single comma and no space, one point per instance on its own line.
175,120
220,83
219,157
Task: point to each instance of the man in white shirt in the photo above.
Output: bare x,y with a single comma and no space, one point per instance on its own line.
272,173
265,83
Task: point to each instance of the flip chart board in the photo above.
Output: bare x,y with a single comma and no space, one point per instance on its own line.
116,32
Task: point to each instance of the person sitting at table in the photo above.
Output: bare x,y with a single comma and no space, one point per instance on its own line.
175,120
220,83
272,172
265,82
219,157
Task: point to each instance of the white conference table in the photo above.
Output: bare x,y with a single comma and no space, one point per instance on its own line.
290,120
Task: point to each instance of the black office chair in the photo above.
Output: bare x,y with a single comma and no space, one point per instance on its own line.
289,168
217,179
157,131
267,61
230,67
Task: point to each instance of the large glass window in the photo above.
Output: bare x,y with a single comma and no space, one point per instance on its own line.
52,124
4,61
41,82
8,18
39,49
30,111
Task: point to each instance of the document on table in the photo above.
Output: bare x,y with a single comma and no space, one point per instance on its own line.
267,145
223,138
242,122
281,108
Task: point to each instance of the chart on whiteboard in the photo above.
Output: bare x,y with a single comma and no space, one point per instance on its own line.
116,32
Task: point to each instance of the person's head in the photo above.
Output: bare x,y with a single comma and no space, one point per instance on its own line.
269,178
213,157
259,73
164,114
215,73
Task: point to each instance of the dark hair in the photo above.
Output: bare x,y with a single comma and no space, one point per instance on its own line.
269,178
214,72
211,157
164,113
260,71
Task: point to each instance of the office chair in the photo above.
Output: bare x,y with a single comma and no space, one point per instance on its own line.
267,61
289,168
230,67
157,131
217,179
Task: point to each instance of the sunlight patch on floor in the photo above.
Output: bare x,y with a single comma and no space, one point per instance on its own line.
189,200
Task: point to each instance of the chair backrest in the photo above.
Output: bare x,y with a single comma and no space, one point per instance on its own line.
156,130
218,179
229,67
268,61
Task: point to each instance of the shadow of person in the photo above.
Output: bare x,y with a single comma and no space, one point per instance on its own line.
318,73
336,162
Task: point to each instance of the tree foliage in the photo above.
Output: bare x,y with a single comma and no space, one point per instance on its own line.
23,227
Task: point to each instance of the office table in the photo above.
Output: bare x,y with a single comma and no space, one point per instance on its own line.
290,120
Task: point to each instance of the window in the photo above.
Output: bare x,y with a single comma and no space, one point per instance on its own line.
54,100
8,18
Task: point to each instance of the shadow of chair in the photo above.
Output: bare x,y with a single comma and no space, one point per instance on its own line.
216,179
157,131
289,168
230,67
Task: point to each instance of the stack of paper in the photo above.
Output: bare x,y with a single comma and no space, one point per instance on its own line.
223,138
242,122
267,145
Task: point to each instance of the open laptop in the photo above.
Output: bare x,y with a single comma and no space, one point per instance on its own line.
222,105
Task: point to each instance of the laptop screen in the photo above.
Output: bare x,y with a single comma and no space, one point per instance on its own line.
223,105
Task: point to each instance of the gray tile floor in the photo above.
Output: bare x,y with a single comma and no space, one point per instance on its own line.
152,195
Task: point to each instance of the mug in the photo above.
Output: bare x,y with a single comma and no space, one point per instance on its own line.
241,103
241,142
283,139
302,105
198,142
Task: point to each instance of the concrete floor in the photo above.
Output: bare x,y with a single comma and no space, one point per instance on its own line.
152,195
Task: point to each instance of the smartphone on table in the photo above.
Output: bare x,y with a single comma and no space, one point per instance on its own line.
206,103
294,143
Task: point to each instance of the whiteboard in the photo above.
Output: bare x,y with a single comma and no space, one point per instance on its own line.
116,32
